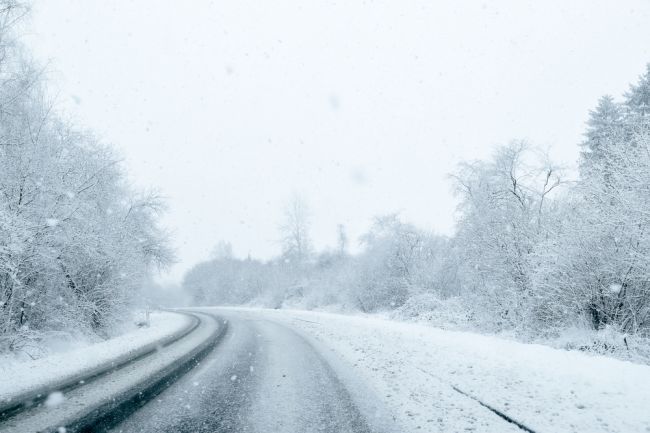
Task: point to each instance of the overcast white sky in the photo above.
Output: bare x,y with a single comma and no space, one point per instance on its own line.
362,107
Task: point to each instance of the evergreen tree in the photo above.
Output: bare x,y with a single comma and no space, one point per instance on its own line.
604,132
637,99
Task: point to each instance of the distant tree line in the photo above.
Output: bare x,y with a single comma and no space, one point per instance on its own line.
533,252
75,240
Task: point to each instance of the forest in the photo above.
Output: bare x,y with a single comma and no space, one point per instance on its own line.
335,216
536,251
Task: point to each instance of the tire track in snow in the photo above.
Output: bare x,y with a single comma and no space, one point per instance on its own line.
497,412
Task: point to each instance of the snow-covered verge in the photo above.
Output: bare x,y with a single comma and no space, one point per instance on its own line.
27,344
450,313
454,314
18,377
415,368
606,341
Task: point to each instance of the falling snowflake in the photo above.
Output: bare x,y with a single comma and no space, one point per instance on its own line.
615,288
54,399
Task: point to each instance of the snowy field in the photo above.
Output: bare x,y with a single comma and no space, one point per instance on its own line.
421,372
20,377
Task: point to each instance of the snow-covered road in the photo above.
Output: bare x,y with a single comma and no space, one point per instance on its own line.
262,377
299,371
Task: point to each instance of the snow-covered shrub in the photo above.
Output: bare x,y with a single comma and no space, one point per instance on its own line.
607,341
450,313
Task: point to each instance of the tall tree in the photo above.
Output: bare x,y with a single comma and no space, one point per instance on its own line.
341,240
505,208
605,131
637,98
294,231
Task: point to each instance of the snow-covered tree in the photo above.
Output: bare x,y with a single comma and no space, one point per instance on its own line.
294,231
75,241
595,267
637,99
605,129
397,262
504,209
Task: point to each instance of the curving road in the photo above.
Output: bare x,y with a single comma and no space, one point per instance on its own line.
261,377
95,397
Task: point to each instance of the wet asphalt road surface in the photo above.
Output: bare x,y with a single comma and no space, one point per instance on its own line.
262,377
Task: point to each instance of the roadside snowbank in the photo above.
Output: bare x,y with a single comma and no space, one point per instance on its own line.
16,378
415,369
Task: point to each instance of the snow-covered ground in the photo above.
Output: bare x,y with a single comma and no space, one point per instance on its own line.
419,372
19,377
